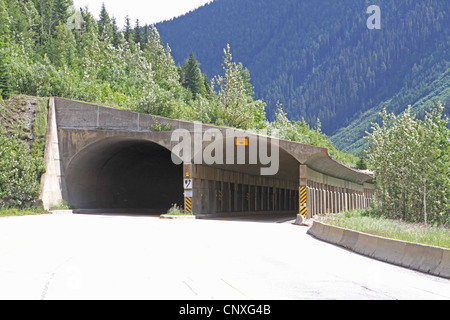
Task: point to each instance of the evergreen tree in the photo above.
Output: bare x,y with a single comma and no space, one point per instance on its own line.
105,27
128,31
137,34
115,30
362,163
52,13
61,11
145,37
22,23
63,47
192,77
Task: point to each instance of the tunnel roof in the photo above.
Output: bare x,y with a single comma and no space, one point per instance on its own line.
80,115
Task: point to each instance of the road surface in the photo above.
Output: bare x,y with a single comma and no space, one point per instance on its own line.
138,257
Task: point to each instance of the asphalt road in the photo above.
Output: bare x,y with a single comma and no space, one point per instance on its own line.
137,257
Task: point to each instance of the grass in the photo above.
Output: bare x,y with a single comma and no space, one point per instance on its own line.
363,221
11,212
62,205
176,211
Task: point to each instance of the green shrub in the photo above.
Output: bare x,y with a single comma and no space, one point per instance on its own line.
175,210
20,172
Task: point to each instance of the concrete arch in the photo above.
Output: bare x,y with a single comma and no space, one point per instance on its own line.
124,173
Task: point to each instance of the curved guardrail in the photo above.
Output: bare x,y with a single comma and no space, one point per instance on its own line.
428,259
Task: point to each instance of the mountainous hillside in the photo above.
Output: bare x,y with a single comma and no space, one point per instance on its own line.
319,59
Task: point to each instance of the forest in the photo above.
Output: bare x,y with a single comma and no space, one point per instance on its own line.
318,59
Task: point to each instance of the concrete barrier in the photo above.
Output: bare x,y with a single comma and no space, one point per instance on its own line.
423,258
444,267
366,245
428,259
390,251
349,239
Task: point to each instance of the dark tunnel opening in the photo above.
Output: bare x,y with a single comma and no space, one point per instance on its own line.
127,175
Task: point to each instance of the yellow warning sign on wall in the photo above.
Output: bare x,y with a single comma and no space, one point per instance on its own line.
241,141
188,205
303,207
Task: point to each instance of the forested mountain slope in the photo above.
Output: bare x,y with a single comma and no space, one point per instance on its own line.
319,59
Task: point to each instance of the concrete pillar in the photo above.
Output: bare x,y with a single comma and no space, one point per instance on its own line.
324,201
327,209
350,197
330,200
345,200
308,203
336,197
316,201
353,200
360,202
338,200
358,198
334,202
319,199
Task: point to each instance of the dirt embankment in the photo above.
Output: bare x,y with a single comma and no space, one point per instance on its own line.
24,117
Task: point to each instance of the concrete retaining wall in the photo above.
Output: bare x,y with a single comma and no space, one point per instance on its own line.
51,181
428,259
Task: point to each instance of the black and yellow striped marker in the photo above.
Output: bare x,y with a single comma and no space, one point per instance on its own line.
188,205
303,208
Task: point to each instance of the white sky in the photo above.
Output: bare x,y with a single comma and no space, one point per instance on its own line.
147,11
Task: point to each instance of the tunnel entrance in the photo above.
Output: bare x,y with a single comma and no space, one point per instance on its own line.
137,175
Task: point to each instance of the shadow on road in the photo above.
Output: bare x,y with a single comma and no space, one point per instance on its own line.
263,218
